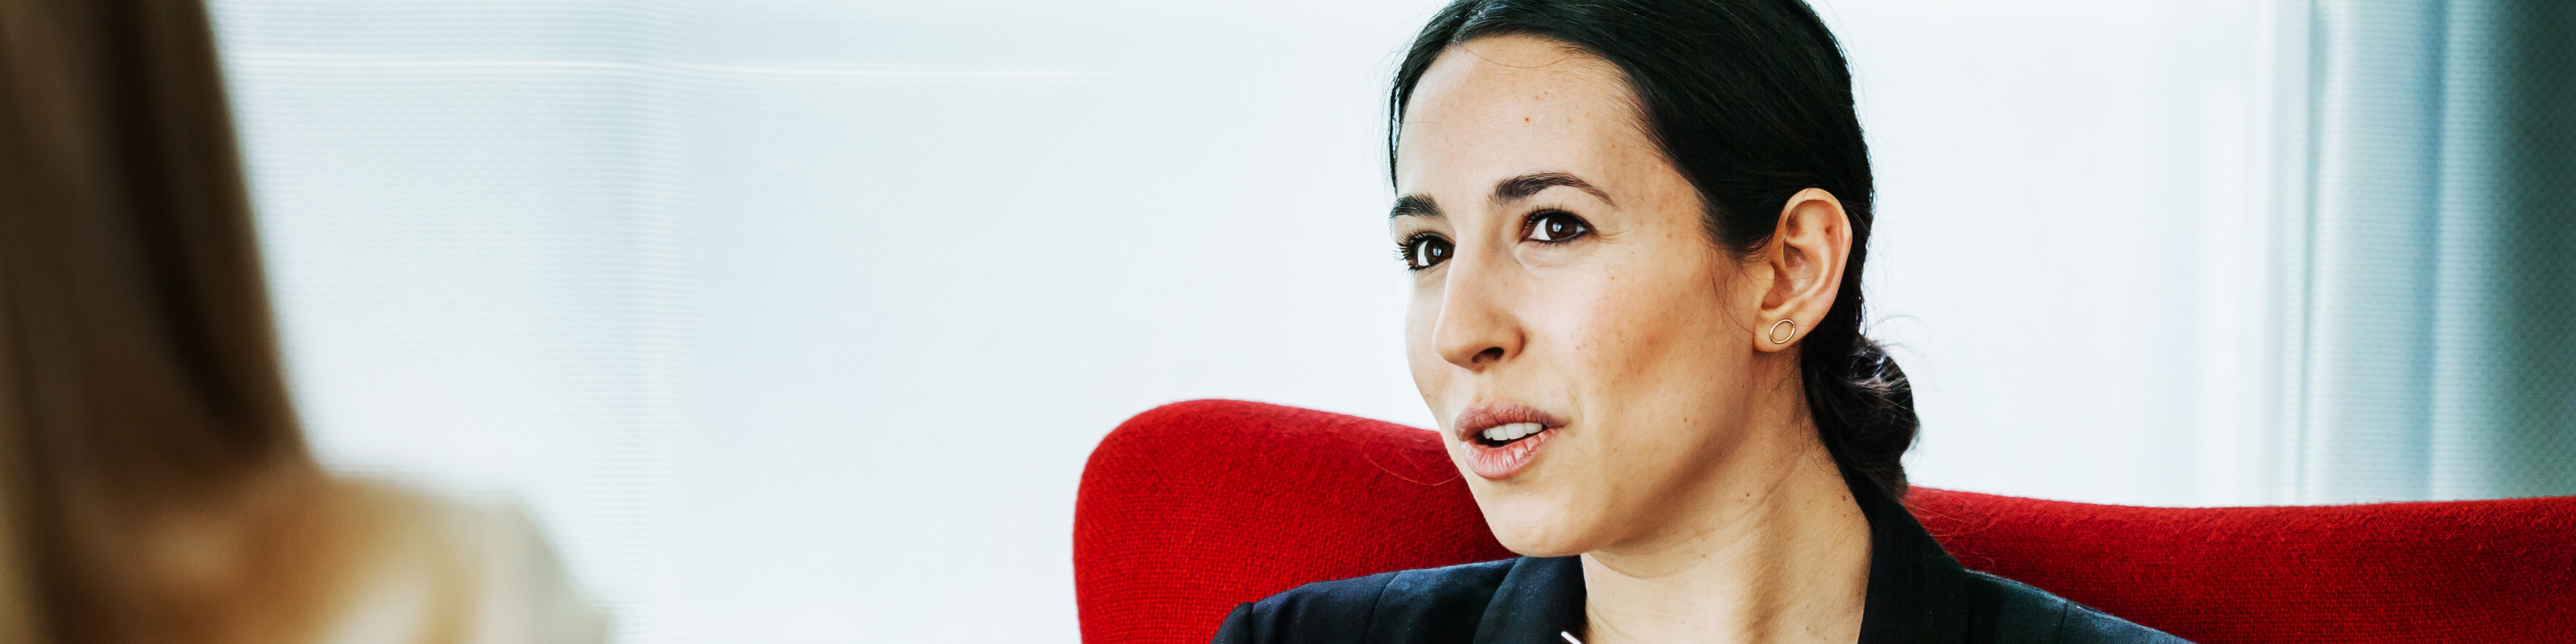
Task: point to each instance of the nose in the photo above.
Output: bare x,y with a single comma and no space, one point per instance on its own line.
1477,328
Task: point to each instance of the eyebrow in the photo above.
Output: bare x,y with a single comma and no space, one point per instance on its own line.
1414,205
1512,189
1521,187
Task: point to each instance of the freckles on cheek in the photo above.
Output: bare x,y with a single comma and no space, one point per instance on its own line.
1606,333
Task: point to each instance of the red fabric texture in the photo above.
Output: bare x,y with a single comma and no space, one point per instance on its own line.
1190,508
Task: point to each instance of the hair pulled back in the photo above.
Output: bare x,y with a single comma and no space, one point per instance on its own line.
1751,100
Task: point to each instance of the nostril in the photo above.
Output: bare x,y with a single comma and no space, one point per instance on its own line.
1489,354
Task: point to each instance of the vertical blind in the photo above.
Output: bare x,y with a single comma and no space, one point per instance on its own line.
2431,220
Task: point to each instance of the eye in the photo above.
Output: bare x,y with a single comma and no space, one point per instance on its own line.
1425,250
1555,226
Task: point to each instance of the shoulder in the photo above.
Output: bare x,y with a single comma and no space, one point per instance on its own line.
2022,613
1424,605
439,562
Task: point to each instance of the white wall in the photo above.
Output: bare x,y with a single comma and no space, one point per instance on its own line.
795,321
2076,243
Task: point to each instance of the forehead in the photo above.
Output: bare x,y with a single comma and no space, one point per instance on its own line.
1506,105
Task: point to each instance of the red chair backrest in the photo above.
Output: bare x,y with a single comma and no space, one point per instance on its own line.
1190,508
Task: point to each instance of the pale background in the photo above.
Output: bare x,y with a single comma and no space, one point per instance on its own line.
794,321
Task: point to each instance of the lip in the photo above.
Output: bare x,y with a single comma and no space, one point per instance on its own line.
1503,462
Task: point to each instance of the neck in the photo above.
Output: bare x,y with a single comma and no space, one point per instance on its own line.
1778,556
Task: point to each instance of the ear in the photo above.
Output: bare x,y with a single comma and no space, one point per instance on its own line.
1804,262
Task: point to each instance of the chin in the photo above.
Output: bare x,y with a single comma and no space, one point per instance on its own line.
1533,525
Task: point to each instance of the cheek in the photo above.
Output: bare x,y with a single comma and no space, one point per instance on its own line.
1618,333
1429,372
1654,362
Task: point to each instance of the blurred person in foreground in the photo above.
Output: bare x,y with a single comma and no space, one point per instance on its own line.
154,486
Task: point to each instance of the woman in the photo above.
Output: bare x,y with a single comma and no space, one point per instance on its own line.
154,486
1636,231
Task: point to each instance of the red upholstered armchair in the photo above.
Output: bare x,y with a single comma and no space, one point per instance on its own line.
1190,508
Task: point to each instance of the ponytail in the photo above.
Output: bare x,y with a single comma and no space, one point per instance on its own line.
1864,411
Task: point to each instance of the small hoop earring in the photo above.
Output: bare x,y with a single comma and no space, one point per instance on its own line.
1776,338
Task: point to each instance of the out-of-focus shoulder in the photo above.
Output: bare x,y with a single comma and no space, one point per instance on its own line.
481,569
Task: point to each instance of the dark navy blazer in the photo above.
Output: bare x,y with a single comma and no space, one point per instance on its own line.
1917,594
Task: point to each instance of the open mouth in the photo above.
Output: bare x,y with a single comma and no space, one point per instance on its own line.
1503,437
1500,435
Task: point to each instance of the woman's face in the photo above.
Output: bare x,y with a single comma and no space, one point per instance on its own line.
1584,344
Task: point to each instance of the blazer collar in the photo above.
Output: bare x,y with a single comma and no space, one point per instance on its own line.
1917,593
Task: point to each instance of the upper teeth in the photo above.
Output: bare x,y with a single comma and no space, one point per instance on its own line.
1512,431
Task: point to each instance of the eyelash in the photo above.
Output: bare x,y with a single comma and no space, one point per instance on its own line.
1405,250
1410,248
1530,225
